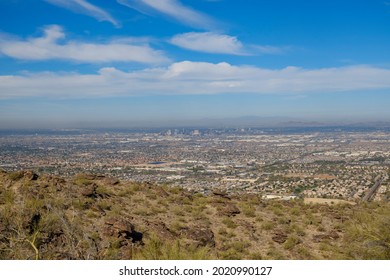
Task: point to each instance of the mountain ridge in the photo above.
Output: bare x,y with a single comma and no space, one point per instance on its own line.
91,216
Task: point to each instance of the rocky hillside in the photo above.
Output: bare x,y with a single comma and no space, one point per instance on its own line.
96,217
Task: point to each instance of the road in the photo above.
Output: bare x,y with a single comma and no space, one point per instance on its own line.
372,191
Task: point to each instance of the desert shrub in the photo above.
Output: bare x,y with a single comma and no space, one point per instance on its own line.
321,228
162,202
178,211
259,219
338,226
79,204
230,234
134,187
104,204
103,190
268,225
187,208
325,246
284,220
255,256
295,211
182,219
7,196
368,235
175,190
222,231
125,192
151,195
157,209
33,205
137,199
7,215
277,211
116,210
230,254
16,175
143,211
82,182
157,249
60,202
248,210
311,219
274,254
197,211
51,222
113,250
186,201
92,214
291,242
177,226
229,223
304,252
255,200
297,229
240,246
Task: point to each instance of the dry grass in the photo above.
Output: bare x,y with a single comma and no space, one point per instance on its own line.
51,218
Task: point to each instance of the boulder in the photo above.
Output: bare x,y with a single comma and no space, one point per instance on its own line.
160,228
89,191
201,236
30,175
333,235
111,181
279,237
122,229
230,210
221,193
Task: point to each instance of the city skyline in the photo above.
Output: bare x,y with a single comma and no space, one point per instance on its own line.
86,63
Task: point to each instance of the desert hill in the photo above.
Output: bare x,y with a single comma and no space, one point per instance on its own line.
97,217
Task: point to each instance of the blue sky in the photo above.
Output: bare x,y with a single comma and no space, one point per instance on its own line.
89,62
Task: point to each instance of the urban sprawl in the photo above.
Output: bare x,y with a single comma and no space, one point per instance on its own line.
327,163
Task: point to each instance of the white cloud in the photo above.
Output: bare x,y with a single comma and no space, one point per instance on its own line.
195,78
173,9
209,42
265,49
48,47
84,7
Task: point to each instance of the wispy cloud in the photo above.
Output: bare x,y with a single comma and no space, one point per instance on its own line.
209,42
266,49
84,7
173,9
188,77
50,46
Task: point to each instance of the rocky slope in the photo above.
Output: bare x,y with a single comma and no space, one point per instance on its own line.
96,217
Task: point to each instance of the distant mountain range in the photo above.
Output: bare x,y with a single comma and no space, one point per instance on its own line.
242,121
